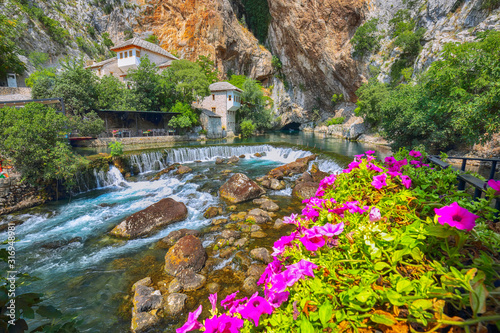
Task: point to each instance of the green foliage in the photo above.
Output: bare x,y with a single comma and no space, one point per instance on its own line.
187,81
276,63
208,67
34,138
9,60
153,39
51,26
247,127
116,148
47,75
258,18
366,39
106,40
38,59
456,101
89,124
337,98
253,104
146,83
128,34
114,95
90,30
335,121
187,117
490,4
238,80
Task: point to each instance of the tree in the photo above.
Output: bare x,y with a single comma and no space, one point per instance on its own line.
89,124
34,138
146,85
9,60
186,118
188,81
254,105
247,128
208,67
366,39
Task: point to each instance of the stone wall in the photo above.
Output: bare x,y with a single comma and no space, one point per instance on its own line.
15,91
15,195
212,125
103,142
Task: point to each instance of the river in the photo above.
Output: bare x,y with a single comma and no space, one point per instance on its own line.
85,272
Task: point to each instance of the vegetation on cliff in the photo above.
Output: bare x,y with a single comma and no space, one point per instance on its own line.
370,253
456,101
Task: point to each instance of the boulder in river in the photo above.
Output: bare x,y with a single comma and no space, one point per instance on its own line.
219,160
164,212
212,211
305,190
146,302
175,235
240,188
183,169
233,159
175,303
187,253
299,166
317,174
261,254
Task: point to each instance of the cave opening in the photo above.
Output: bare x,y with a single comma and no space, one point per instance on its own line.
291,127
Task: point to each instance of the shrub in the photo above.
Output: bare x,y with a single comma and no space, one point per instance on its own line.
335,121
116,148
247,128
276,63
337,98
257,18
366,39
152,39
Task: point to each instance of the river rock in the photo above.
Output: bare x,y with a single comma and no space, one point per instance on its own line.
270,206
175,303
146,299
258,234
174,286
143,321
255,228
219,221
142,282
240,188
164,171
260,201
250,285
258,155
241,242
60,243
242,156
242,258
278,224
219,160
190,281
256,270
299,166
306,177
144,222
305,190
212,211
213,287
187,253
226,253
262,254
258,216
230,233
317,174
276,184
233,159
175,235
182,170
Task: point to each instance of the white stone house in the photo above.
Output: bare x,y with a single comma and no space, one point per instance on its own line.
224,100
128,56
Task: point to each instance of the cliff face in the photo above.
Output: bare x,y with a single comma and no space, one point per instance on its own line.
210,28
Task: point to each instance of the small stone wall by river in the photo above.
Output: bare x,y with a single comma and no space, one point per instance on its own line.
15,195
103,142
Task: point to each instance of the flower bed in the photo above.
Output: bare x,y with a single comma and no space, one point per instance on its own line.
390,247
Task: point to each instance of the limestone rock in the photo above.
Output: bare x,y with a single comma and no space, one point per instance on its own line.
233,159
256,270
270,206
219,221
278,224
219,160
258,216
143,321
262,254
183,169
250,285
241,242
305,190
189,280
212,211
240,188
187,253
143,282
146,299
144,222
175,303
175,235
299,166
317,174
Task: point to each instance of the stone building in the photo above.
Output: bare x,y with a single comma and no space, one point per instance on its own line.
211,123
128,56
224,100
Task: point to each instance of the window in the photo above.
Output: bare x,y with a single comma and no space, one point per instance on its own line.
230,98
130,53
121,55
213,97
214,109
138,54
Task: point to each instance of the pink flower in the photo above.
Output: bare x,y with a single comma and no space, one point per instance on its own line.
272,269
394,174
495,184
223,324
276,299
370,152
312,240
406,181
390,160
292,219
371,166
415,153
255,307
329,230
320,192
375,214
327,181
213,300
416,163
456,216
353,207
303,268
192,322
379,181
280,245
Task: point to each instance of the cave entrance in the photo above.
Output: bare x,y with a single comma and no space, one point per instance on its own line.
292,127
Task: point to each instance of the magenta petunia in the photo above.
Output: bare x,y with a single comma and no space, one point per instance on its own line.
255,307
353,207
406,180
379,181
394,174
327,181
304,267
329,230
494,184
280,245
213,300
375,214
370,152
415,153
192,322
292,219
456,216
272,268
312,240
223,324
390,160
320,192
373,167
354,165
276,299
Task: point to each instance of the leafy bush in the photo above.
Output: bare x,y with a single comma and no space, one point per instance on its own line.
247,128
258,18
89,124
152,39
38,59
116,148
208,67
335,121
276,63
337,98
366,39
187,117
35,139
9,61
106,40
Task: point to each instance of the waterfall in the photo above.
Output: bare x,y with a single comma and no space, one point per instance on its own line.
150,161
98,179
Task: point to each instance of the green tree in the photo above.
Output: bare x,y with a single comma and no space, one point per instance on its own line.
106,40
34,138
371,97
47,75
146,83
247,127
89,124
188,81
38,59
9,60
254,105
366,38
208,67
153,39
186,118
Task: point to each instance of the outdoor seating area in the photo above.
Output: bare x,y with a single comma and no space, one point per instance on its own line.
129,132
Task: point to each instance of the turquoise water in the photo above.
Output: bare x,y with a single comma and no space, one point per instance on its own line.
85,272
